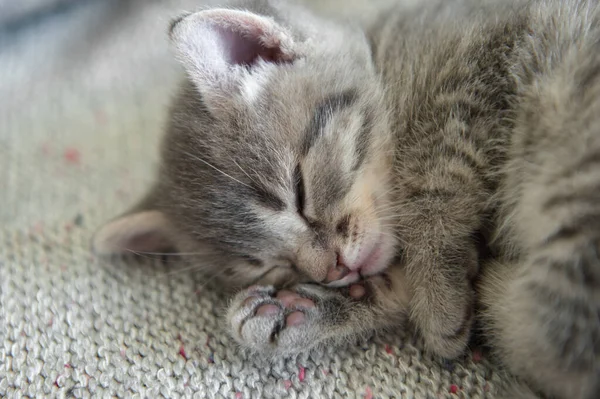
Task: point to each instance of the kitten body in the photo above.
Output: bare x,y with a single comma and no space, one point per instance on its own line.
358,168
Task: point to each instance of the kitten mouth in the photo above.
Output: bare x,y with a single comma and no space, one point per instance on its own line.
370,265
350,278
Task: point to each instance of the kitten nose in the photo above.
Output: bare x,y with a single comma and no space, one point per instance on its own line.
338,272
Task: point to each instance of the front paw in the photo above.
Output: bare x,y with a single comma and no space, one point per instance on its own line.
274,323
444,318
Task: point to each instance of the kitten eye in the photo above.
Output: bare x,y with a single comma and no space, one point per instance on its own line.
299,190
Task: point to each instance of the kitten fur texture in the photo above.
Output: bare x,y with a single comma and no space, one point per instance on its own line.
342,179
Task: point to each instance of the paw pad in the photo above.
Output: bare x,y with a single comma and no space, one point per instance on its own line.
288,303
267,310
294,319
290,299
282,322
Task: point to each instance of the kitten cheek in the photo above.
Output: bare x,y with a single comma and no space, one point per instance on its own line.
384,256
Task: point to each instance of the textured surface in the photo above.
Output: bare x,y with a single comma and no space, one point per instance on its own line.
82,100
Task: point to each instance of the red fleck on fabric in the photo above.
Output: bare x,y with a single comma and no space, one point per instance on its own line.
238,395
368,393
453,389
181,347
388,349
301,374
182,352
287,384
72,155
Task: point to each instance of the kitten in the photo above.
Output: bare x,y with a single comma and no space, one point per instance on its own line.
347,173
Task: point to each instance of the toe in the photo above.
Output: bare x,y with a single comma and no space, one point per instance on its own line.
287,297
303,303
294,319
267,310
357,291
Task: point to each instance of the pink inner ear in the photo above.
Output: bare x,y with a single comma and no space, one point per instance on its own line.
145,231
149,242
245,50
213,44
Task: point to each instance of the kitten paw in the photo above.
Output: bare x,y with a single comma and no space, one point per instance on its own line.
445,327
276,323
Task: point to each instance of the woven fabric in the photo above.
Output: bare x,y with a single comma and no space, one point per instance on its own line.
82,103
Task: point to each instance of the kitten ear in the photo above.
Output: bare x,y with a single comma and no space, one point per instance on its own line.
139,231
226,51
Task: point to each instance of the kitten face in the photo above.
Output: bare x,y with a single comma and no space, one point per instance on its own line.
277,160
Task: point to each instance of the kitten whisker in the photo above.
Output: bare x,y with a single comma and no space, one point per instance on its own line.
392,205
386,192
383,218
261,276
140,253
182,270
215,168
210,279
391,213
243,171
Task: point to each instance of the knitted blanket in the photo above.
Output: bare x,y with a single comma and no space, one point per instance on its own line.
83,92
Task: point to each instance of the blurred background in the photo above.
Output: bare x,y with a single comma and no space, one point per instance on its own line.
83,89
84,86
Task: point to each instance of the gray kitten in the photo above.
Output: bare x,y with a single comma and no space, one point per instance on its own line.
350,174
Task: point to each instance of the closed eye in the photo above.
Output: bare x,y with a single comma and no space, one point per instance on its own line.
299,181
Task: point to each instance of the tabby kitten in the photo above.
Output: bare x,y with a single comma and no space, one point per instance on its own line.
348,174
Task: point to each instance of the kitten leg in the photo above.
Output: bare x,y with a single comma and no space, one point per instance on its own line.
441,259
443,298
442,191
281,323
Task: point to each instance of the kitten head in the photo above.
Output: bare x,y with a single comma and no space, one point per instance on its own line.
275,165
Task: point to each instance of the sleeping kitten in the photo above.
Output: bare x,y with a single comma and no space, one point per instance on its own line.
347,174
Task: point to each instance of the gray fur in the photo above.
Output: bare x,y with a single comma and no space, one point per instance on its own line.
438,124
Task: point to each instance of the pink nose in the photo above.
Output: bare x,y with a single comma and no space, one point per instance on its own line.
338,272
